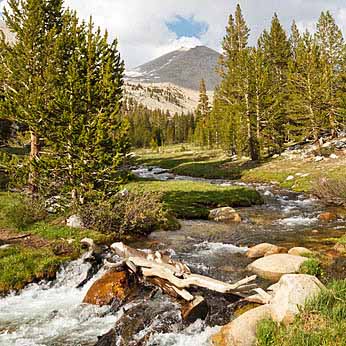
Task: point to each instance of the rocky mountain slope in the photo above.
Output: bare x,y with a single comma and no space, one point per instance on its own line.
164,96
171,82
184,68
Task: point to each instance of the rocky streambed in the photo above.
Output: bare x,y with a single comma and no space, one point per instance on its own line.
53,314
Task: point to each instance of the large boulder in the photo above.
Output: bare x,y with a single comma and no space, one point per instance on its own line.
264,249
273,267
299,251
242,331
225,214
290,293
111,286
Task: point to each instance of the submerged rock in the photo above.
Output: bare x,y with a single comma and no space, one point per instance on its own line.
112,286
142,319
225,214
291,293
242,331
328,216
273,267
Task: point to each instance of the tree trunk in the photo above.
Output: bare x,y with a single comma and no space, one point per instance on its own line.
34,153
251,141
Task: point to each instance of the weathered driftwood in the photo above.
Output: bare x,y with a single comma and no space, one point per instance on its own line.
175,277
199,281
129,253
196,309
19,237
261,297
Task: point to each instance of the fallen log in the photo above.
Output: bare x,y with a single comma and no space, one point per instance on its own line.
175,277
199,281
19,237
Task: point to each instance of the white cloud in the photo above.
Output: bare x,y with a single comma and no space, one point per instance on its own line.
143,35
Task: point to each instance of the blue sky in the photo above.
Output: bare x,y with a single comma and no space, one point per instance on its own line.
187,27
147,29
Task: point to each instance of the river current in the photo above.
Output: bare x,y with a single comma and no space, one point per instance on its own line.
52,314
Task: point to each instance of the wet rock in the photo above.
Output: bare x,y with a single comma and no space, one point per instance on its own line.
261,250
273,267
299,251
111,286
291,293
109,339
327,216
142,319
225,214
242,331
74,221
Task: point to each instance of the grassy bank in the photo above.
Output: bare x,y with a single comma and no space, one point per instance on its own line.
214,164
193,200
322,322
40,255
20,266
211,164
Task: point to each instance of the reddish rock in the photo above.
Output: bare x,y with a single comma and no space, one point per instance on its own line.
112,285
328,216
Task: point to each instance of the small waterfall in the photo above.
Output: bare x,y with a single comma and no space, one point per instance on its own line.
51,314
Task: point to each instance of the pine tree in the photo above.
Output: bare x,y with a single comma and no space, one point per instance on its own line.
330,40
202,134
305,84
26,93
89,143
277,52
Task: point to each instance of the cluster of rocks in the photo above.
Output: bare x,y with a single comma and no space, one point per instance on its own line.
282,300
286,297
272,262
326,149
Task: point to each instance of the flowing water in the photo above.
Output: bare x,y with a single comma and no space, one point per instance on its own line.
52,314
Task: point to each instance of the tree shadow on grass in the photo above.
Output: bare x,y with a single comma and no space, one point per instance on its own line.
196,204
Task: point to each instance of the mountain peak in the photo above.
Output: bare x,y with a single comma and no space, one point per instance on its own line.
184,67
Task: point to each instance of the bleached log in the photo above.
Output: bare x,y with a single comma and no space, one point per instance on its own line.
198,280
261,297
127,252
171,290
196,309
174,277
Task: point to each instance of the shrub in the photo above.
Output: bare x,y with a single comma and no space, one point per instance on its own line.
331,191
127,214
23,211
312,267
